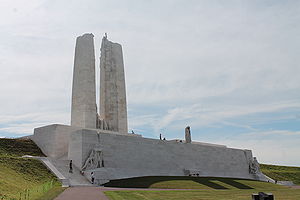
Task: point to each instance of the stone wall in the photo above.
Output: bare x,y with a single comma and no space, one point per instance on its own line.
128,155
53,140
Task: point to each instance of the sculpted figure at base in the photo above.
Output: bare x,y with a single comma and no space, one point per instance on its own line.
95,160
102,124
188,138
254,166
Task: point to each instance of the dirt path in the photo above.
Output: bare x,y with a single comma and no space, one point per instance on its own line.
82,193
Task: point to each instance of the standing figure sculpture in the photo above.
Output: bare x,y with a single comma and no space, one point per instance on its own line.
254,166
188,138
95,160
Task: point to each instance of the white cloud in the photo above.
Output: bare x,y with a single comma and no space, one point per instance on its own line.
200,63
283,150
25,123
201,115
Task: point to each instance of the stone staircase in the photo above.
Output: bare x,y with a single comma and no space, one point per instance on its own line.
61,169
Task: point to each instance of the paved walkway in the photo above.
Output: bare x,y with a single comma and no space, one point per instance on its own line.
295,186
82,193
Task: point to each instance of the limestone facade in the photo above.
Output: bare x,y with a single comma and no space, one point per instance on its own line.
130,155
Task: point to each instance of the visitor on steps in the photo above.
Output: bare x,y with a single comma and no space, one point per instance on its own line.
71,167
92,177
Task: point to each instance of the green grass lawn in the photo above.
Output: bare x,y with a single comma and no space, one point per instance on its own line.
282,173
234,194
208,188
18,174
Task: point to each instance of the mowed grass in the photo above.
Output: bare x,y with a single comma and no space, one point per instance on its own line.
208,188
17,173
235,194
282,173
51,194
203,188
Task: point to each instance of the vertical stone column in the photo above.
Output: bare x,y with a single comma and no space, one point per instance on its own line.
84,110
113,107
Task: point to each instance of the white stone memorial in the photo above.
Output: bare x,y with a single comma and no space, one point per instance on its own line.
84,110
100,143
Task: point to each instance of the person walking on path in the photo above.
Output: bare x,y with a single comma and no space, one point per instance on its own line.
71,167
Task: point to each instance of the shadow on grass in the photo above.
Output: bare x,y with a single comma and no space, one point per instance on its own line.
147,182
236,184
210,184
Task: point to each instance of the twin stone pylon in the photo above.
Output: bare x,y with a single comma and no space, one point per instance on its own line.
113,109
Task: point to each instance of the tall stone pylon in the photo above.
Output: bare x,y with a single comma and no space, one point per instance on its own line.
113,107
84,110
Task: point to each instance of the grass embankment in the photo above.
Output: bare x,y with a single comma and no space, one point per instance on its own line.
208,188
282,173
280,194
19,174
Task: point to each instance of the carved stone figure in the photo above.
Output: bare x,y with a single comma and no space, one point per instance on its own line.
95,160
102,124
254,166
188,138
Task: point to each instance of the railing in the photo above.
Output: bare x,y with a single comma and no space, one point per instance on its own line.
31,194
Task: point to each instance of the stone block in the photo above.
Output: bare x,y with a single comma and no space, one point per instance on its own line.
53,139
128,155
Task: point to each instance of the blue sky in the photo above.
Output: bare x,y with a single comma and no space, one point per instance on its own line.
229,69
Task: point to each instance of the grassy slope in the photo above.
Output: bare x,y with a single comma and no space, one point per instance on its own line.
209,189
51,194
280,194
18,174
213,188
282,173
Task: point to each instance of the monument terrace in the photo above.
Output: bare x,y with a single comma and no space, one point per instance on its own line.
99,144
